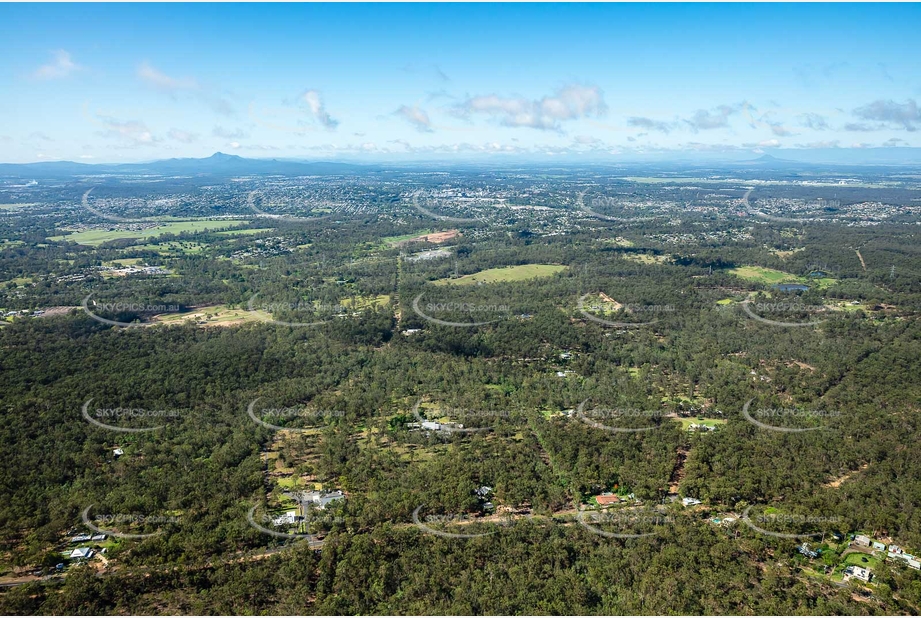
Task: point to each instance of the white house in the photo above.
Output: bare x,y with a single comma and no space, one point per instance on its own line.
287,519
321,499
81,553
858,572
690,501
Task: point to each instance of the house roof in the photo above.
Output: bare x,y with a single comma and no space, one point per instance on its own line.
81,552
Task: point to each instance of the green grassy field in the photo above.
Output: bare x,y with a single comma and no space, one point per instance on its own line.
246,232
763,275
363,302
770,276
863,560
97,237
501,275
124,262
645,258
709,422
215,315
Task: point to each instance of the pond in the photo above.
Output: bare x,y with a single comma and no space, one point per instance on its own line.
791,287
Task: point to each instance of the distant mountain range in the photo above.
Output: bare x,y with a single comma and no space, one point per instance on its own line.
218,164
224,165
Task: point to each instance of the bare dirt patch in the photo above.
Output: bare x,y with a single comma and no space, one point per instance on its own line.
434,237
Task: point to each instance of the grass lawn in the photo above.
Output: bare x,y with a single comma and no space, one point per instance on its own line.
18,281
246,232
125,262
508,273
709,422
764,275
862,560
771,276
363,302
215,315
725,301
645,258
97,237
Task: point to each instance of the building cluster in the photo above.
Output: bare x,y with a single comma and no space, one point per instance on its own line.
893,552
305,500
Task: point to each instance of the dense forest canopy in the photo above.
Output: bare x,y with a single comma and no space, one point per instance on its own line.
472,375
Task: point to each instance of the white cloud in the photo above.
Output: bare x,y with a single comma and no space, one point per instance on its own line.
892,114
220,131
816,122
705,120
650,124
182,136
415,116
61,65
162,81
568,103
132,132
175,86
314,101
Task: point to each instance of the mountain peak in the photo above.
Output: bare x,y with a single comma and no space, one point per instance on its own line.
220,156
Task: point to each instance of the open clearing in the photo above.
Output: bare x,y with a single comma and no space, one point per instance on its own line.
171,248
645,258
508,273
432,237
245,232
214,315
771,276
97,237
708,422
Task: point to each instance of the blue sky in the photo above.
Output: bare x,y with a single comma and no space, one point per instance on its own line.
105,83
